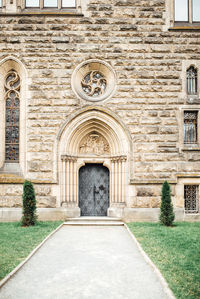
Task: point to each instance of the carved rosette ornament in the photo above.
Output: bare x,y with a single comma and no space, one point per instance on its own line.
94,143
94,84
93,80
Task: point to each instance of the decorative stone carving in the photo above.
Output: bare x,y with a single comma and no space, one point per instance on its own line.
94,80
68,158
12,88
94,84
94,143
119,158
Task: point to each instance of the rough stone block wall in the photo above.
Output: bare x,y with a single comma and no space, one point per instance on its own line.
147,59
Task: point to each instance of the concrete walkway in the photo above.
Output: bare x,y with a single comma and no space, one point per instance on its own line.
90,262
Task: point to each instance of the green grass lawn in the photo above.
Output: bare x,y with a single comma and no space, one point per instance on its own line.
176,252
17,242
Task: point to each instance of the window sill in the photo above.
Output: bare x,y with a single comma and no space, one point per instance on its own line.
188,27
191,148
193,99
44,12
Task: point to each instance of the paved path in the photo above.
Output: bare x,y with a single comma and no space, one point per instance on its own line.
79,262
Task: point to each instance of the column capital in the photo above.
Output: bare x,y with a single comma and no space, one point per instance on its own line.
121,158
68,158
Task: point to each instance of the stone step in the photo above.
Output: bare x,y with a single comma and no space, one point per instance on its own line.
94,223
104,221
93,218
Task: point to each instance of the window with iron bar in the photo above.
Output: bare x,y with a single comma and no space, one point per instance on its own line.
191,198
191,81
190,127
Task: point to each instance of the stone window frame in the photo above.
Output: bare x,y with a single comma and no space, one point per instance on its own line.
12,127
190,99
59,6
191,179
20,166
197,199
188,146
171,24
18,7
193,140
193,82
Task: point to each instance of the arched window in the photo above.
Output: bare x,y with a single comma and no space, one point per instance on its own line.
12,89
191,81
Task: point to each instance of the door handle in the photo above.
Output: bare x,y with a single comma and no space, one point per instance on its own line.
95,190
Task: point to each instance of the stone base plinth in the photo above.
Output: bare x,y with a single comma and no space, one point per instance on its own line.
72,212
44,214
141,214
126,214
116,211
149,215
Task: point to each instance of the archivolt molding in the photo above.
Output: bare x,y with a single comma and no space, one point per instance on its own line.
99,119
105,140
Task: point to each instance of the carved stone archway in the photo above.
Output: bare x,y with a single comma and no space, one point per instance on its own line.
93,136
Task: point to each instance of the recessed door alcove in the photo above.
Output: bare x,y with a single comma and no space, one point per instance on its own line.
97,137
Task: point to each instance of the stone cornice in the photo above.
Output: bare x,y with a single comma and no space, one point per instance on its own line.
43,13
7,178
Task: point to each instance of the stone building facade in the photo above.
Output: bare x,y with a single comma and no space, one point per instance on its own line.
100,83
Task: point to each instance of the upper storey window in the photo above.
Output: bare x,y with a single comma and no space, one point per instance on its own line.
187,11
50,3
192,81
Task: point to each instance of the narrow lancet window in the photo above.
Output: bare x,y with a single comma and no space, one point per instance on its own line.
190,127
191,81
12,89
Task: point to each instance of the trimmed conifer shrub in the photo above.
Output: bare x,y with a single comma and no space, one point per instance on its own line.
166,210
29,205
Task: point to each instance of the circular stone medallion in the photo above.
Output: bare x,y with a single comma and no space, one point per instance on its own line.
93,80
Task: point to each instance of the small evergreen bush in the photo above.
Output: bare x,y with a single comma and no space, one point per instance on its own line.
166,210
29,205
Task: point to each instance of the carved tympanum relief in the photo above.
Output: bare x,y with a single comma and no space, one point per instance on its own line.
94,143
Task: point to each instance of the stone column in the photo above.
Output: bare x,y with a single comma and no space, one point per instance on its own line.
69,180
69,185
62,181
118,179
112,182
118,182
123,162
66,187
75,183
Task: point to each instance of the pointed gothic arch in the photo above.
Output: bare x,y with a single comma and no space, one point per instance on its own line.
93,135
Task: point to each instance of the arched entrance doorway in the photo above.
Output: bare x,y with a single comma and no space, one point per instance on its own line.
93,190
93,136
